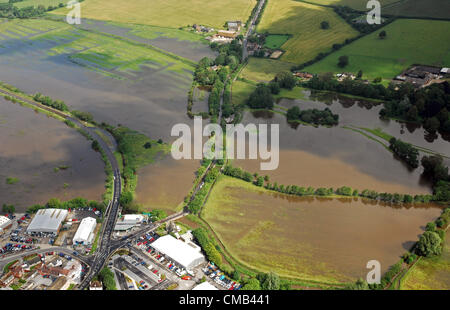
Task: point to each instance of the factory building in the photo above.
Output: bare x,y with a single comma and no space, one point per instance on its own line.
47,221
85,232
128,221
185,254
5,223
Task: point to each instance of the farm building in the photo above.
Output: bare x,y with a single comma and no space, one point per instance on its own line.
128,221
5,223
186,255
205,286
85,232
226,34
234,25
47,220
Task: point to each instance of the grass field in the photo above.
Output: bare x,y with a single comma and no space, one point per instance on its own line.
303,20
275,41
167,13
241,91
35,3
263,69
408,42
430,273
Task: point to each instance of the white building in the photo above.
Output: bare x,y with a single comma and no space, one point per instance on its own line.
47,220
85,232
186,255
128,221
205,286
5,223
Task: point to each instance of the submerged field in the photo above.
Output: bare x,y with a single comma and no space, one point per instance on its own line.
408,42
42,158
430,273
302,21
327,240
167,13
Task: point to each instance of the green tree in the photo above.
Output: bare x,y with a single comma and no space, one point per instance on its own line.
324,25
382,34
343,61
429,244
252,285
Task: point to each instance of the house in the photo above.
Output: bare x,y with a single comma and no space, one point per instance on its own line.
197,27
95,286
303,75
234,25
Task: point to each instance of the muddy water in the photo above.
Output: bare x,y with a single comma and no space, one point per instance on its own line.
165,184
333,157
323,239
32,145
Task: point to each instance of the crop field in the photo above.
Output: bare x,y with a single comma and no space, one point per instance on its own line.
355,4
420,8
408,42
430,273
275,41
302,21
306,237
264,69
167,13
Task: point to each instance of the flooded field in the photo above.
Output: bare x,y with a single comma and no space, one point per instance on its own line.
165,184
45,158
334,157
326,240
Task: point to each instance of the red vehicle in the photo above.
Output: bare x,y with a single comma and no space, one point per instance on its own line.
186,278
155,271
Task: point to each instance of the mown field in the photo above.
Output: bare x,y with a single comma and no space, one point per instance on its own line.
264,69
420,8
408,42
241,91
306,237
303,20
167,13
430,273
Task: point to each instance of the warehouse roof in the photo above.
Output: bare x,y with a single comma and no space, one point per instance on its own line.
47,220
205,286
181,252
4,221
84,231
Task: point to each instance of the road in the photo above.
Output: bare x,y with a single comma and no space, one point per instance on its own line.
250,30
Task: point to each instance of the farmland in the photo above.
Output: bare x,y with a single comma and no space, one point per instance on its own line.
305,237
430,273
355,4
167,13
275,41
302,21
419,8
386,57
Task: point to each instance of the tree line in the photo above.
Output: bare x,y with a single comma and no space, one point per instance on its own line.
8,10
75,203
405,151
313,116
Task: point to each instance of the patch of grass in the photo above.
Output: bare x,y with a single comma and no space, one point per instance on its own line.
275,41
11,180
167,13
241,91
422,42
302,21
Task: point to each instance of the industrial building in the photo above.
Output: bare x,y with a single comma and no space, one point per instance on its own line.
85,232
5,223
47,221
185,254
128,221
205,286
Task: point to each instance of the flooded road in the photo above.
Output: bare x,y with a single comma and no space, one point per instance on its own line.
33,148
315,238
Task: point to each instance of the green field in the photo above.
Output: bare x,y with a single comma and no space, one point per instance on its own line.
302,21
35,3
408,42
264,69
241,91
430,273
275,41
167,13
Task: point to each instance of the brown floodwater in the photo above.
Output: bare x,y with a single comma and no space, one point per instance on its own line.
322,239
333,157
32,145
165,184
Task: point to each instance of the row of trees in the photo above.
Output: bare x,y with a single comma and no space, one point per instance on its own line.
74,203
405,151
196,204
8,10
313,116
8,208
211,252
239,173
47,101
